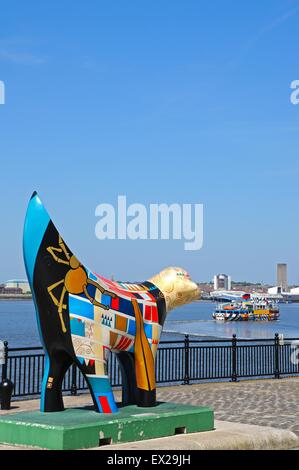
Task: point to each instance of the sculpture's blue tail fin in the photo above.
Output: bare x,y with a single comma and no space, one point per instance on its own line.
36,223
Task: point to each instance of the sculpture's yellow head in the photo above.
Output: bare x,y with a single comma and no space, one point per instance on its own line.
177,287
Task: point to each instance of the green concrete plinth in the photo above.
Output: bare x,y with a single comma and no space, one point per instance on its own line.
79,428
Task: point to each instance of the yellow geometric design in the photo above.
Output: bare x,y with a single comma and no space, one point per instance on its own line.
120,323
144,359
155,331
113,338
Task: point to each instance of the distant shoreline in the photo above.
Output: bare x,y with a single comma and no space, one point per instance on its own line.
15,297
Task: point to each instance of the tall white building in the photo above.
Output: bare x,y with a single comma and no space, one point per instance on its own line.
222,282
282,276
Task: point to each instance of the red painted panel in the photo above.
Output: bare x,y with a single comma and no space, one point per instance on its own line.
105,404
148,312
115,303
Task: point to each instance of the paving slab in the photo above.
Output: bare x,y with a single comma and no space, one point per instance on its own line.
263,402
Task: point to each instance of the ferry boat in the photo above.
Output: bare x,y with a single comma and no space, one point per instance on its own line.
247,310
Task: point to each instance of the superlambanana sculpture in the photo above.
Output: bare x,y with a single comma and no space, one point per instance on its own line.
82,317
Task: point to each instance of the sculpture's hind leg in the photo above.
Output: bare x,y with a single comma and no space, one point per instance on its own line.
129,387
131,393
55,368
101,393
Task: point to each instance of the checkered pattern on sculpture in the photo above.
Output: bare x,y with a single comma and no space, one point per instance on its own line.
96,332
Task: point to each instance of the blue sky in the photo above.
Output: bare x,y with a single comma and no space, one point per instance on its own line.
171,101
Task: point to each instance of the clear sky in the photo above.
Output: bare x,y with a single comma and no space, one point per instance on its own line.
162,101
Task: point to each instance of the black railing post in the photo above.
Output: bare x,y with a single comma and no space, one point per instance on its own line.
187,352
276,356
6,385
74,380
234,359
4,366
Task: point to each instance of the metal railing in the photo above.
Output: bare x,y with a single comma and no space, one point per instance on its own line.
185,362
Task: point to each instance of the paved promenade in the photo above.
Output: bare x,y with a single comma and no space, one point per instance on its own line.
271,403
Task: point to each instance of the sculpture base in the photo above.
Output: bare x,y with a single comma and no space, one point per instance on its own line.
79,428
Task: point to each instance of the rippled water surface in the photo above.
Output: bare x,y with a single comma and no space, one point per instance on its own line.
18,323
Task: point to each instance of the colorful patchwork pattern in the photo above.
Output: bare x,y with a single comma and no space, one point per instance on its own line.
119,318
96,331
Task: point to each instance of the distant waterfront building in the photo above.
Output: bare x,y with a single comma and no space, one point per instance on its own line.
222,282
275,290
20,285
282,276
10,290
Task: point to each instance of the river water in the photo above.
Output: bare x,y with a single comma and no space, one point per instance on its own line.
18,324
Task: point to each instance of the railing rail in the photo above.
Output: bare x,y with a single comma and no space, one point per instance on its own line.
184,361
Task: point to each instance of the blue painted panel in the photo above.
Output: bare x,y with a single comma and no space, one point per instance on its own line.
132,327
126,307
92,276
148,329
105,299
77,327
99,385
81,307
